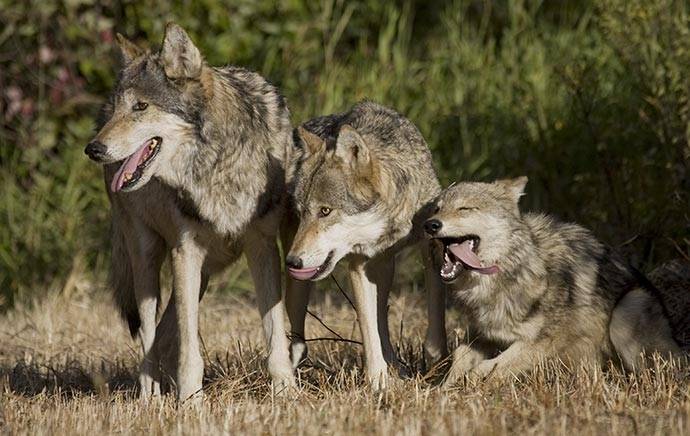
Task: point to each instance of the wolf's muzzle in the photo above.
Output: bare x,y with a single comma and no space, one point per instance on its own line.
96,151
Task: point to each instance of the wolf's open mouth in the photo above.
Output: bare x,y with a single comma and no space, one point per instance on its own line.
460,254
311,273
133,166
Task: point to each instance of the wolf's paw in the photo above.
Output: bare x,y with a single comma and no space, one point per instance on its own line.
193,401
484,370
282,374
379,378
399,369
284,387
453,378
434,351
298,352
148,388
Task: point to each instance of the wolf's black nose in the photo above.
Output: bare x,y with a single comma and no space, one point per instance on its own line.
293,262
432,226
95,150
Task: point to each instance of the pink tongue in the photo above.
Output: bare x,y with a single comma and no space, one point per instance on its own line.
463,251
129,166
302,274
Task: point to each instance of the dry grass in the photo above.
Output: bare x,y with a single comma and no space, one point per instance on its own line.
67,366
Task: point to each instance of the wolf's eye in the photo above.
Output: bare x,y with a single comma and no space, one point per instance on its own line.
325,211
140,106
467,208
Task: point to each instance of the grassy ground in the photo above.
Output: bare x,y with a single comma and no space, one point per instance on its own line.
67,367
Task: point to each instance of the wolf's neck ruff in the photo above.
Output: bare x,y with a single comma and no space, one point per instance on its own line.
230,159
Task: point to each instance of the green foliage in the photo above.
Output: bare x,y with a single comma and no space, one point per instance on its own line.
589,101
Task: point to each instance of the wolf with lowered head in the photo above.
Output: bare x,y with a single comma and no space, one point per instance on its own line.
363,187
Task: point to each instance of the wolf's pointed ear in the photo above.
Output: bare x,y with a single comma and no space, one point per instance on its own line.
313,143
515,188
128,50
351,148
181,59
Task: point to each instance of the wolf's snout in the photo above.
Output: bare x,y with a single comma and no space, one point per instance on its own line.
96,151
432,226
293,262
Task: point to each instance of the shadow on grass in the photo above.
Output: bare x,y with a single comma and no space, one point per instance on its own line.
30,379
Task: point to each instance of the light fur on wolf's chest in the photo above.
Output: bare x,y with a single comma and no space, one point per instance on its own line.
172,215
225,247
500,317
227,214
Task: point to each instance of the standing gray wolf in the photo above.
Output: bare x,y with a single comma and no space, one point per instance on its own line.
195,160
533,288
363,187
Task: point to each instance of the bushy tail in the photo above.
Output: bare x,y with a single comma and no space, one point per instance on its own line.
672,279
122,280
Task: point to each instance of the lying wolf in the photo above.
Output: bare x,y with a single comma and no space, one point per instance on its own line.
533,288
195,162
363,188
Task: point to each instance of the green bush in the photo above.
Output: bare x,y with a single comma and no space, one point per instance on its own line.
589,101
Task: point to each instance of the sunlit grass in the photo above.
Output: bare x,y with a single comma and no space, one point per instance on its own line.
67,366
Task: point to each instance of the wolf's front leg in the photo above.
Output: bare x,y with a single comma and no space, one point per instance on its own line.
187,260
465,357
263,259
297,301
518,358
435,343
147,251
364,290
381,271
147,290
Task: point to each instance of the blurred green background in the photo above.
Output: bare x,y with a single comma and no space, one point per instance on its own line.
589,99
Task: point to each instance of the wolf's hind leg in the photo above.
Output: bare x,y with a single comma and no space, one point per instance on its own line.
147,253
639,328
263,259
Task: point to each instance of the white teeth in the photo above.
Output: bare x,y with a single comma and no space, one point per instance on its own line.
471,243
154,142
128,176
452,273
